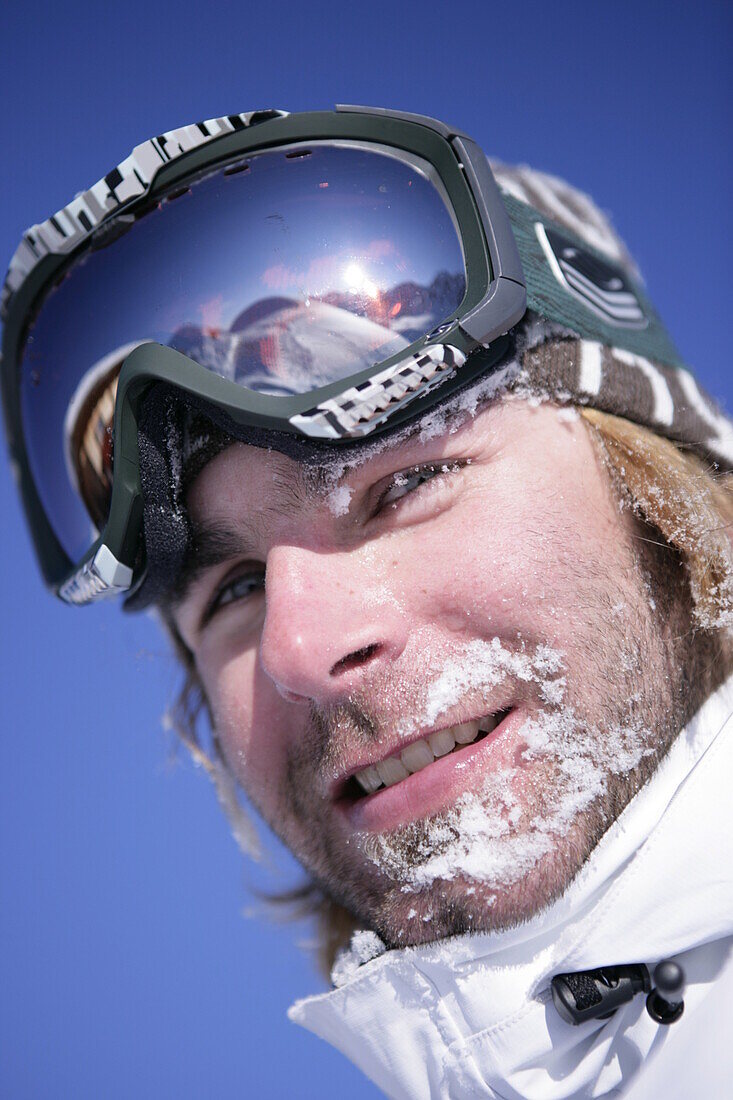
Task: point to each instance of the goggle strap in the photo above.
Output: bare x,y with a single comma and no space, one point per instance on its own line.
133,177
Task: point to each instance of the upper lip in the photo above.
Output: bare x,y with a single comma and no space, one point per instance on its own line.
339,782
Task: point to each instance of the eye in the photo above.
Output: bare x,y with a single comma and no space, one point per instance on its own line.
240,588
408,481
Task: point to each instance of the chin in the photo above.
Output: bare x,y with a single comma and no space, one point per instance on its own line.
456,907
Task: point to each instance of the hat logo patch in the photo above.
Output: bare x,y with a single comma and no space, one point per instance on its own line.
602,286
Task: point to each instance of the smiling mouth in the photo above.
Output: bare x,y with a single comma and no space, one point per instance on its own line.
418,755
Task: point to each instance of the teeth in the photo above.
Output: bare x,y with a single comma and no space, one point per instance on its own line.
442,742
369,779
416,756
421,753
391,771
466,732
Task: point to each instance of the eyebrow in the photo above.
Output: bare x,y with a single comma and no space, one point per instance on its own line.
208,547
216,542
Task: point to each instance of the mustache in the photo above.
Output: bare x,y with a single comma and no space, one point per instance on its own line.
334,727
367,714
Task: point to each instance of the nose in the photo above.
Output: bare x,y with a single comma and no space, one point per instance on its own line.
326,630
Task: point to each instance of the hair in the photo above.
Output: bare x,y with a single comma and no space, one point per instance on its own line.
683,501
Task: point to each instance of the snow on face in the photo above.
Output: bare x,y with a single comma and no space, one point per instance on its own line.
487,836
483,665
338,500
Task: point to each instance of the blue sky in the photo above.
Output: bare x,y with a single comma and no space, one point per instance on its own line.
128,967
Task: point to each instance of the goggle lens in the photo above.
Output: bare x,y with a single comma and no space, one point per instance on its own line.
292,269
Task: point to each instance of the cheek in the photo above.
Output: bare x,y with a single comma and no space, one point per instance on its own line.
248,716
517,550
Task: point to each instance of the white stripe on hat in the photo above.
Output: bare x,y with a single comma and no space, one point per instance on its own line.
723,438
591,371
663,404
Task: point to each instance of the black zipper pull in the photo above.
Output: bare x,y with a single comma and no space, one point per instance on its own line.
597,994
664,1004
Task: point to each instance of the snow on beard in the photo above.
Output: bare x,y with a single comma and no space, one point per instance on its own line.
491,835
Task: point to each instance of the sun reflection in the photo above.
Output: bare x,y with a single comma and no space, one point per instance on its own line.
358,282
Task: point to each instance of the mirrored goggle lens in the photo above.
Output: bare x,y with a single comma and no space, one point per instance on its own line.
292,269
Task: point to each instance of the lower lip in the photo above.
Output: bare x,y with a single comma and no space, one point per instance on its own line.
439,784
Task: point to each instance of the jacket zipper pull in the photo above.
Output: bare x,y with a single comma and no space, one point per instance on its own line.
596,994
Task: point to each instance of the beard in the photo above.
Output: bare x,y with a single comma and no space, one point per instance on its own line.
595,731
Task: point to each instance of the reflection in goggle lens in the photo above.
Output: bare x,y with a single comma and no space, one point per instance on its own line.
89,439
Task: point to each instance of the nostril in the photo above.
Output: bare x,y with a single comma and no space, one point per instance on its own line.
353,660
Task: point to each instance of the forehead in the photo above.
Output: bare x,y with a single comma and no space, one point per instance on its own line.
242,473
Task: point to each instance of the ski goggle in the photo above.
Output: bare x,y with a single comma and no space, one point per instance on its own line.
326,275
314,274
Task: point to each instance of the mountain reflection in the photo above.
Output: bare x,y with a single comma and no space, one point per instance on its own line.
288,345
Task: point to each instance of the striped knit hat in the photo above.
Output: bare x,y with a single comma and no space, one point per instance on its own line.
663,396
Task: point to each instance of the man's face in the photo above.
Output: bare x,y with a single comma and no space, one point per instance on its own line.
484,573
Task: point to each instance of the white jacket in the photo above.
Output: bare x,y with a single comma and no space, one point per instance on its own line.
473,1016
